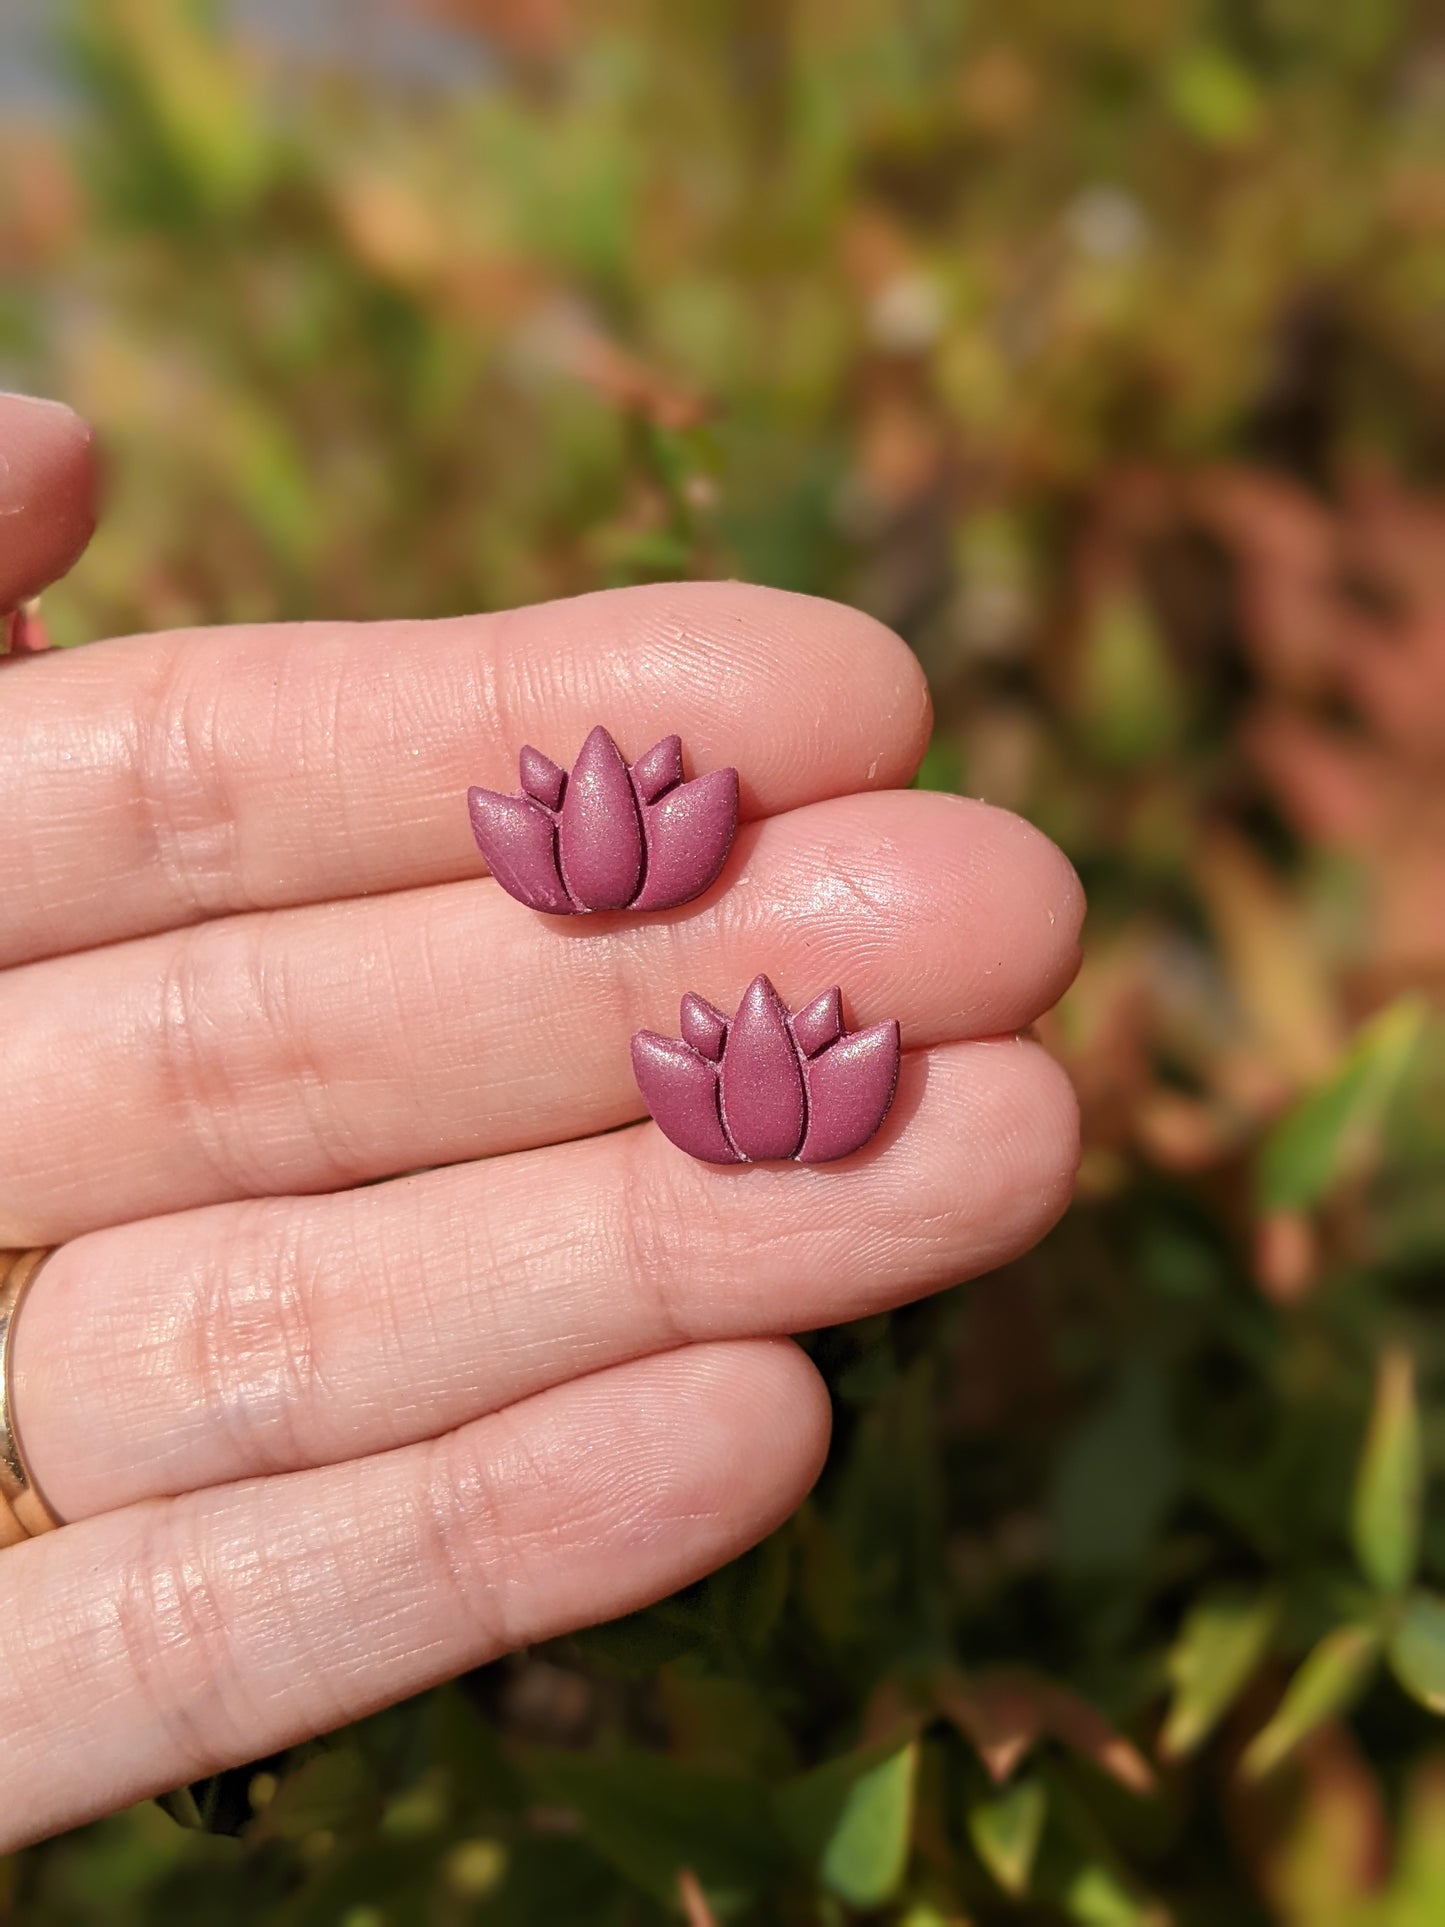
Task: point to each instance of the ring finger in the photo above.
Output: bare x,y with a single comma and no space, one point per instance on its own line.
263,1337
315,1048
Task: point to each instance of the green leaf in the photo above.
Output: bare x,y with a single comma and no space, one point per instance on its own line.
852,1820
200,127
725,1720
643,1641
1095,1896
1080,1872
183,1807
1222,1641
330,1792
1130,705
1005,1829
1117,1478
650,1817
1417,1650
1332,1128
942,766
745,1599
220,1804
1329,1681
1213,96
1390,1483
1417,1892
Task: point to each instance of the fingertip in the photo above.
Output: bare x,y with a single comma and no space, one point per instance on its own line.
48,493
696,1453
1068,907
758,1423
1060,1145
1014,1102
794,1424
1046,905
841,701
905,704
883,677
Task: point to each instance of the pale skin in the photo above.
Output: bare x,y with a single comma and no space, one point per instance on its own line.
321,1442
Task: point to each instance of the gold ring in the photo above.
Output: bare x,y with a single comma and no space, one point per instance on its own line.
23,1513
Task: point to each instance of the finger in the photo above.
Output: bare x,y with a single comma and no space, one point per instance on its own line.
155,1645
250,1339
162,779
313,1049
47,497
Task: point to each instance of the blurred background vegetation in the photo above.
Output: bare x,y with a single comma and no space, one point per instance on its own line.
1099,346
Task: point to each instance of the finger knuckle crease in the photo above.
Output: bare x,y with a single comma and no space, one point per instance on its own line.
234,1045
255,1354
187,798
175,1633
466,1542
648,1212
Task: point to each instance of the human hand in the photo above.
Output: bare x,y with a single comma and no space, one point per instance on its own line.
320,1441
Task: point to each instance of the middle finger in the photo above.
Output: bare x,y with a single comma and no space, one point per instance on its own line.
315,1048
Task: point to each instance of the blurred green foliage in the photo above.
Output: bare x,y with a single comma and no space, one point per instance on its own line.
1098,346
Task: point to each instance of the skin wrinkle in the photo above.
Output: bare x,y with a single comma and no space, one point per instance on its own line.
280,1004
226,1093
490,686
627,973
398,1264
645,1237
50,1666
513,1262
679,651
52,742
463,1526
186,809
317,719
307,1597
588,1496
404,1311
394,977
28,844
608,1489
175,1048
269,692
256,1362
167,1613
437,1297
251,888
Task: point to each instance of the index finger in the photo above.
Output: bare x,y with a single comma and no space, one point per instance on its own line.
159,780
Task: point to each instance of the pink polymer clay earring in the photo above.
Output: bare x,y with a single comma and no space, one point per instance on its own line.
609,836
768,1085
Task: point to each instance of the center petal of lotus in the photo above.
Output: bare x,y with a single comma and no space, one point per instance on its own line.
762,1083
600,841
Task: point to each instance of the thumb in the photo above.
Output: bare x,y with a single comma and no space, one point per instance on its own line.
48,487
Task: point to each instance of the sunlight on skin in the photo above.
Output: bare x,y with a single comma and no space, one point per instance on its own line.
254,956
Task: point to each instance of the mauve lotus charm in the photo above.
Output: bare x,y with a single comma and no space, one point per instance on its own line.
768,1085
607,837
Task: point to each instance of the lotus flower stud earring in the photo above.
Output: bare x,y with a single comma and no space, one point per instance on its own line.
607,837
768,1085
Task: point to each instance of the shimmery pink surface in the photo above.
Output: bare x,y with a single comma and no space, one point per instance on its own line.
617,838
600,839
762,1083
774,1093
